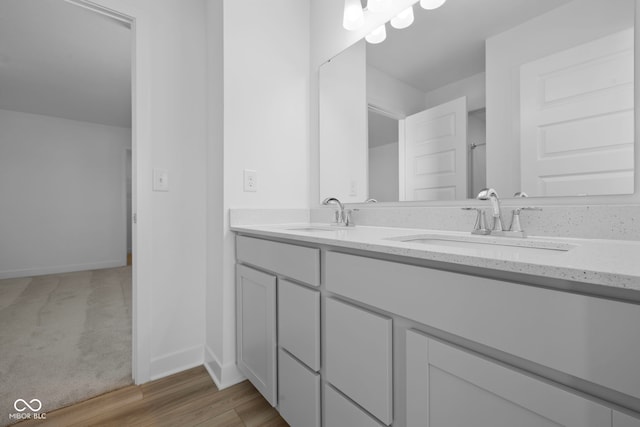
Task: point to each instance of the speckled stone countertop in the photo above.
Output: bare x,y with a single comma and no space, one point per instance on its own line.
614,263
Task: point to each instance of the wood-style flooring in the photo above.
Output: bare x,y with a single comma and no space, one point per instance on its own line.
189,398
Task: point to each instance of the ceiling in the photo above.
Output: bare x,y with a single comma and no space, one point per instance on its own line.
61,60
447,44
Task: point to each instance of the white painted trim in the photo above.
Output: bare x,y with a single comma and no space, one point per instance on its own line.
29,272
175,362
222,376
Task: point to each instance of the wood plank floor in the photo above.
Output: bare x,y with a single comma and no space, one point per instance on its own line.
189,398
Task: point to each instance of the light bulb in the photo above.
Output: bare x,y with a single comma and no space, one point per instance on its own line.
353,15
378,35
431,4
403,19
378,6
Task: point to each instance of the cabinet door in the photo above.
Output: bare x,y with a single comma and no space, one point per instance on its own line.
450,387
623,420
299,322
340,412
358,356
256,329
299,392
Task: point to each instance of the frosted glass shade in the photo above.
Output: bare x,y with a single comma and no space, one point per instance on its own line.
403,19
377,6
378,35
431,4
353,18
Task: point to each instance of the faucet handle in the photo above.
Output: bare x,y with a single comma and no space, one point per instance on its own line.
515,218
348,221
480,226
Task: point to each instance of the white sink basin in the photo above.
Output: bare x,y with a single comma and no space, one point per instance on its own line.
515,245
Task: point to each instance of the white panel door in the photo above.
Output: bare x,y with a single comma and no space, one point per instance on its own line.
449,387
433,161
577,120
256,329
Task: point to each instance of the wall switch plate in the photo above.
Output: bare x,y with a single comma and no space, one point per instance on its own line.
160,180
250,180
353,188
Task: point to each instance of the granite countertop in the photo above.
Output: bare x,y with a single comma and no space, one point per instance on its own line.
613,263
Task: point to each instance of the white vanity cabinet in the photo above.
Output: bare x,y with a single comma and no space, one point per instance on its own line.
450,387
278,325
256,329
468,350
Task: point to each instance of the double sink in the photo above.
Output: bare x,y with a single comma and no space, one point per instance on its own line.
480,243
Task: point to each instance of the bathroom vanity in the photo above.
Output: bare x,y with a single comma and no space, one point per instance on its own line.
373,326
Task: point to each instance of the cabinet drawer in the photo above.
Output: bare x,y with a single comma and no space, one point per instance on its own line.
299,322
297,262
340,412
299,392
590,338
358,356
450,387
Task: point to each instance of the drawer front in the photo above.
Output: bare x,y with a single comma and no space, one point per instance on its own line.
299,392
591,338
358,356
450,387
299,322
340,412
297,262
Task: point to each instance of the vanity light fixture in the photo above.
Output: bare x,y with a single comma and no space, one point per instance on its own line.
378,6
403,19
353,18
378,35
431,4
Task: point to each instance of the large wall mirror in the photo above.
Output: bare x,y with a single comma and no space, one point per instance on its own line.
518,95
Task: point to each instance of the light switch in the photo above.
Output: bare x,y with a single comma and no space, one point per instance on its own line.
160,180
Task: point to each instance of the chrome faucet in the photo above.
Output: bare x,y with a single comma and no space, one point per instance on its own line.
339,215
491,195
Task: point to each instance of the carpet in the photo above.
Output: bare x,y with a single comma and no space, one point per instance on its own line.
64,337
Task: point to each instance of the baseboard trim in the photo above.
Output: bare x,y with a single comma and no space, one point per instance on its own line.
29,272
223,376
173,363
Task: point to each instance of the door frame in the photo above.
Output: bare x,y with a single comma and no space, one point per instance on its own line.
141,232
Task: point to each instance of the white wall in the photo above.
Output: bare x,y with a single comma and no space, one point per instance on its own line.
169,132
542,36
265,128
472,87
62,191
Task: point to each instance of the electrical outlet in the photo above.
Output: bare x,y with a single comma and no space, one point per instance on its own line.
250,180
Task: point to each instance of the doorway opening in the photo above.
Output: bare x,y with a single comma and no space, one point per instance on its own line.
66,170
